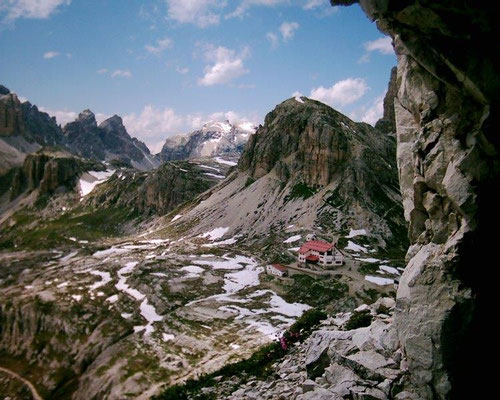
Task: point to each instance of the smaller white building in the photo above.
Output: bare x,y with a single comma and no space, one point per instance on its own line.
276,270
310,237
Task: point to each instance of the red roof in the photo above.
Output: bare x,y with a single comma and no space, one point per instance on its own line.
312,258
279,267
316,245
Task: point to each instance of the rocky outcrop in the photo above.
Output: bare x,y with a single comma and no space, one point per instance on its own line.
47,171
108,141
446,120
214,139
153,193
310,139
338,361
40,127
388,121
11,115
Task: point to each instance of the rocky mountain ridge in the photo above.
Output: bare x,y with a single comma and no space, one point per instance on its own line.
108,141
25,129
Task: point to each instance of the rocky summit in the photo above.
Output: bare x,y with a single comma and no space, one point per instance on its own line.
108,141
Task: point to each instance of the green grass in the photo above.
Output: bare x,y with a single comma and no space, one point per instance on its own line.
89,225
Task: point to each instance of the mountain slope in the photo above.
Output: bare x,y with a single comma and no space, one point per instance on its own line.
214,139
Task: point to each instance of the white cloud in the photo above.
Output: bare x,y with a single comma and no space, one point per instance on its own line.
161,46
35,9
382,45
312,4
51,54
288,29
102,71
273,38
202,13
62,117
182,70
226,66
323,8
121,73
341,93
242,8
375,112
153,123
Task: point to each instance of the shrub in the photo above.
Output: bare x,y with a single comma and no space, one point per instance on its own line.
359,319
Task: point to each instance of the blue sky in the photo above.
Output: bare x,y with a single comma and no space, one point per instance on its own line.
167,66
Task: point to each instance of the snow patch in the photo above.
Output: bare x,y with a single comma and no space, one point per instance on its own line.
91,179
355,247
293,239
356,232
379,281
105,279
225,162
215,234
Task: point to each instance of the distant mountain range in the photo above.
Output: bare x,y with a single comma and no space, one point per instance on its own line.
25,129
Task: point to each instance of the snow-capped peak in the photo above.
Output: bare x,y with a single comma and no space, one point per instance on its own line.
217,126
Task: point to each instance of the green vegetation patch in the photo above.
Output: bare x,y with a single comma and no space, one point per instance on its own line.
89,225
300,191
359,319
316,292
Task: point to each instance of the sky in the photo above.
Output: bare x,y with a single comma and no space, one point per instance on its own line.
168,66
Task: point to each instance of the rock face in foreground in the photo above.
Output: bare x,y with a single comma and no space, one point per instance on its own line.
447,121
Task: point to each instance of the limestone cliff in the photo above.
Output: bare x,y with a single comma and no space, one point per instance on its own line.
446,120
11,120
47,171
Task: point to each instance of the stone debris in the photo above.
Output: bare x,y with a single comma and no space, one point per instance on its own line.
334,363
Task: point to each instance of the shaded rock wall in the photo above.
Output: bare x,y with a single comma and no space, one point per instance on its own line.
11,116
446,115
